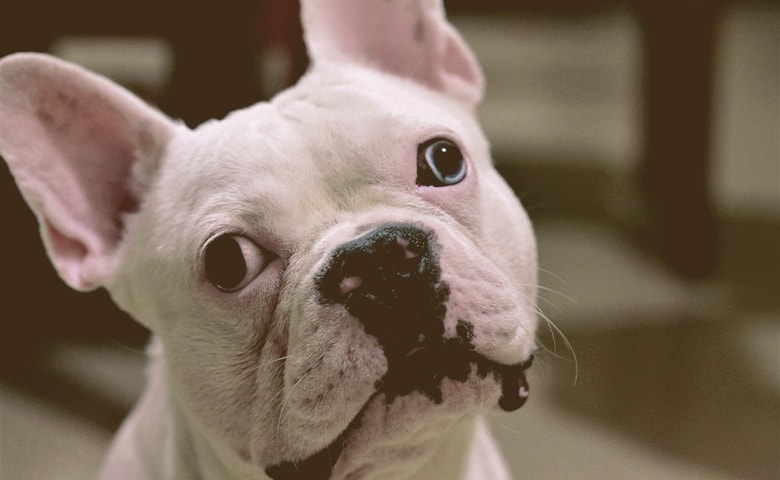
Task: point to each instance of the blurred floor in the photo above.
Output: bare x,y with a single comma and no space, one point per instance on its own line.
674,379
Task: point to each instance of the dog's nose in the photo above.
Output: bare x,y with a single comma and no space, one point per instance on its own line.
390,280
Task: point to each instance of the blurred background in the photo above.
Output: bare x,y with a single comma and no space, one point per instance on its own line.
643,138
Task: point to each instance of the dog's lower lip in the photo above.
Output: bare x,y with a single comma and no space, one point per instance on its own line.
514,386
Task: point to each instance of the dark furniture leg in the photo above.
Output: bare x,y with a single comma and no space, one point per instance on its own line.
679,44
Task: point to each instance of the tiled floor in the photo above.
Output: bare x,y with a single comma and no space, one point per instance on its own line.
674,379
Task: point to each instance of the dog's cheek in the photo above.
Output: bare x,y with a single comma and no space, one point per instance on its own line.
483,296
331,371
231,385
499,317
510,243
233,355
458,200
330,367
213,342
508,234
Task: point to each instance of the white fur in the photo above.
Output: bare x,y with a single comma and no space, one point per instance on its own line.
240,381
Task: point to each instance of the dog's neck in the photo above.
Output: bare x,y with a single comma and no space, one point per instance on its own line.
165,444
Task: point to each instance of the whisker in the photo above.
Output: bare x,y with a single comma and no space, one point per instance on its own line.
554,291
546,319
548,272
550,303
558,293
416,67
280,359
540,365
555,329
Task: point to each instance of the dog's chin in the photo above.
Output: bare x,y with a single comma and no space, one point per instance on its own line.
397,429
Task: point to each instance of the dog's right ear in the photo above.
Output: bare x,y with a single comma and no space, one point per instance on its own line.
81,149
408,38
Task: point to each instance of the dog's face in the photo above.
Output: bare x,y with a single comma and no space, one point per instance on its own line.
338,277
321,267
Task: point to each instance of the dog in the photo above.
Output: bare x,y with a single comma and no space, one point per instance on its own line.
338,281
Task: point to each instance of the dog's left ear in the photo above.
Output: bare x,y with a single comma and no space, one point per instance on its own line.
82,150
408,38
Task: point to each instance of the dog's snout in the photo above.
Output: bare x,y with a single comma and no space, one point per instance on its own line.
389,279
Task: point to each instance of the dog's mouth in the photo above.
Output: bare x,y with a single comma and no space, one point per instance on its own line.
421,371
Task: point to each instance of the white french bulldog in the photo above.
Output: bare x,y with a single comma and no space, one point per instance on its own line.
338,280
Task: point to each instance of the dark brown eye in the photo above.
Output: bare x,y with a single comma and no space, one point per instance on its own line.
232,261
440,163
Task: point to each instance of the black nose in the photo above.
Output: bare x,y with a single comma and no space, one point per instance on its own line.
390,280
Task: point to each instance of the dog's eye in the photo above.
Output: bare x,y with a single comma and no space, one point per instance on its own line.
232,261
440,163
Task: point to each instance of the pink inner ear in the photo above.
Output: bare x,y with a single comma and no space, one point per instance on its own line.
82,174
66,247
71,139
67,253
411,39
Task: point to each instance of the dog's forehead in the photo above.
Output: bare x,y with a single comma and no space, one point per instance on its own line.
341,112
328,143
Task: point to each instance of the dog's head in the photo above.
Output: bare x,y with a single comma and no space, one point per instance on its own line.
338,277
